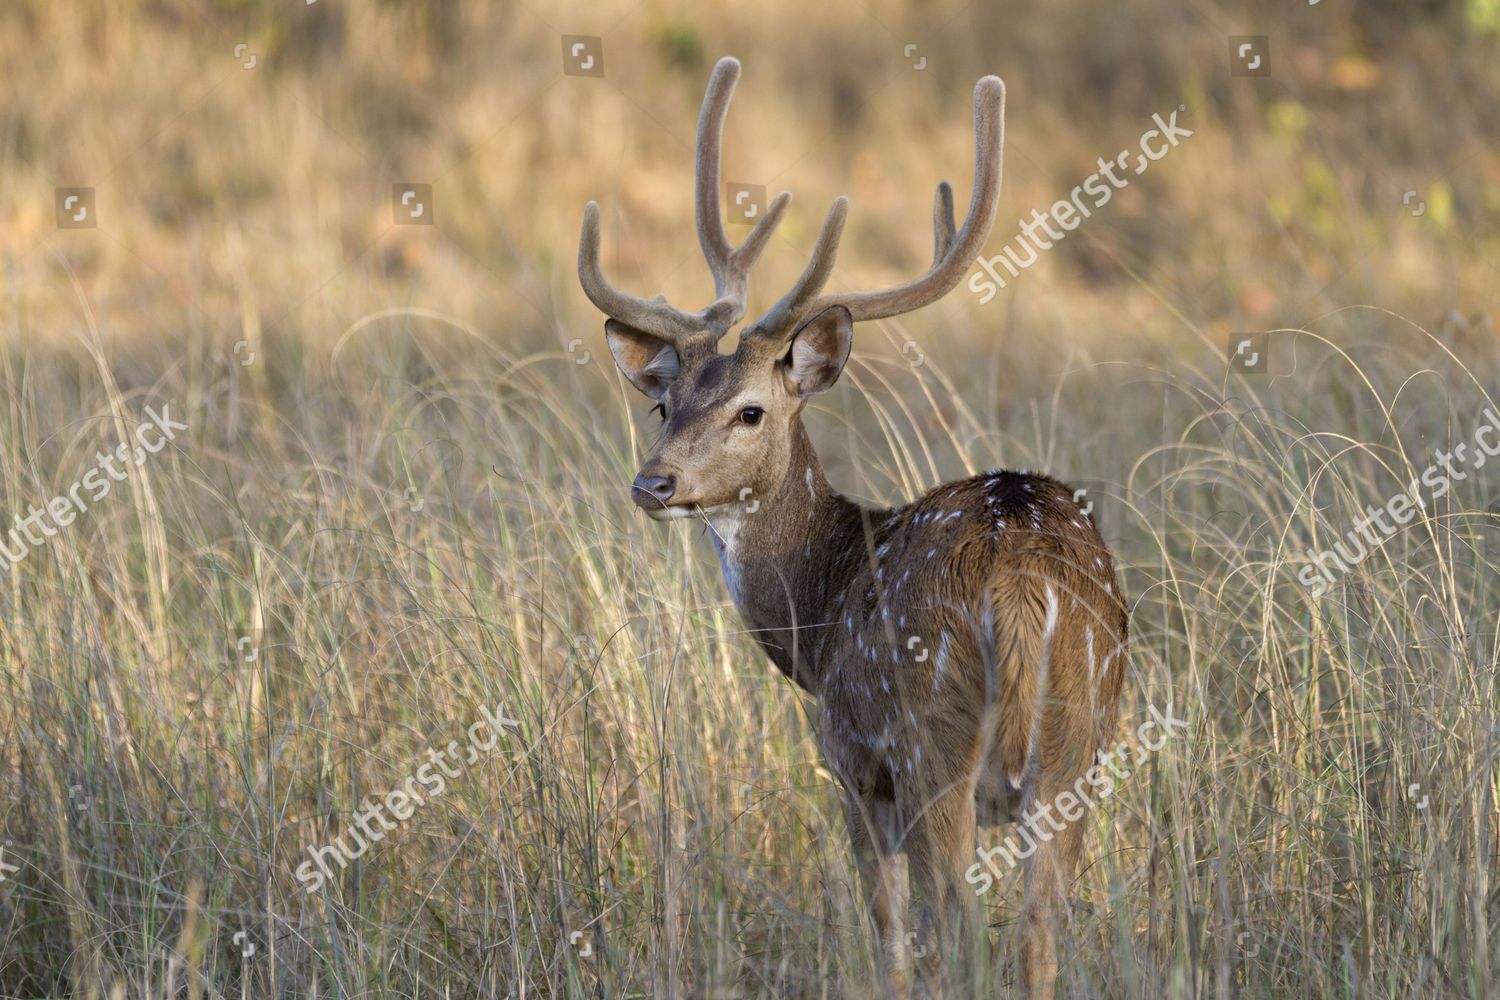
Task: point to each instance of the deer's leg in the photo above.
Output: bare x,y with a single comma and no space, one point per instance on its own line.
1046,875
941,846
873,835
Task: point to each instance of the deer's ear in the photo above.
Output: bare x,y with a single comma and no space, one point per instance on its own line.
650,362
820,347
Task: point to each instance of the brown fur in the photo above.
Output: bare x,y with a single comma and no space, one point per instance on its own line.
927,747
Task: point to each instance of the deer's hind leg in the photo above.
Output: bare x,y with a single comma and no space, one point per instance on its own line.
1046,876
941,846
1063,751
874,836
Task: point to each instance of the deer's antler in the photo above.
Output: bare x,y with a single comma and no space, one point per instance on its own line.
730,265
953,250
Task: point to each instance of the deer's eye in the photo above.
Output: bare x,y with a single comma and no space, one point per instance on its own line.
751,415
662,409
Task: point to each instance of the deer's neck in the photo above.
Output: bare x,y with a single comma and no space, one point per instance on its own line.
788,562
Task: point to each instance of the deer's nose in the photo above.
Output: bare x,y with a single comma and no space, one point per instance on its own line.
652,490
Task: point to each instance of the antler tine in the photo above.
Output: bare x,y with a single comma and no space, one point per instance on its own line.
730,265
791,306
744,256
951,262
650,315
732,275
942,222
711,236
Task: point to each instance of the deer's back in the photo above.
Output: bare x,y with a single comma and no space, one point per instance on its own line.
977,596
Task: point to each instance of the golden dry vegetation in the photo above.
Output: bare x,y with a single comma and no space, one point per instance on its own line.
401,497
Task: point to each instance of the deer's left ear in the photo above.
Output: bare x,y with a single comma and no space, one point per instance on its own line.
650,362
820,347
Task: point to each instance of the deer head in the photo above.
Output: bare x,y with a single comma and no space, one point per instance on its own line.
730,421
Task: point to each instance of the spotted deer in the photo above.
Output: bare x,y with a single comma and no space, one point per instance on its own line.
965,649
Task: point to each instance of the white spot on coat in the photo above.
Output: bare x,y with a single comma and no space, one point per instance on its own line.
1088,638
941,666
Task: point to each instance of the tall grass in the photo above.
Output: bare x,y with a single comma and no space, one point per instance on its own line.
429,525
411,504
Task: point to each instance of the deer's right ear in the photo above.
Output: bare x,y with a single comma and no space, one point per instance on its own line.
650,362
819,350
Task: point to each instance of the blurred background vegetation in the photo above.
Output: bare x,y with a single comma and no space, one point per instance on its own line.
406,482
258,200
